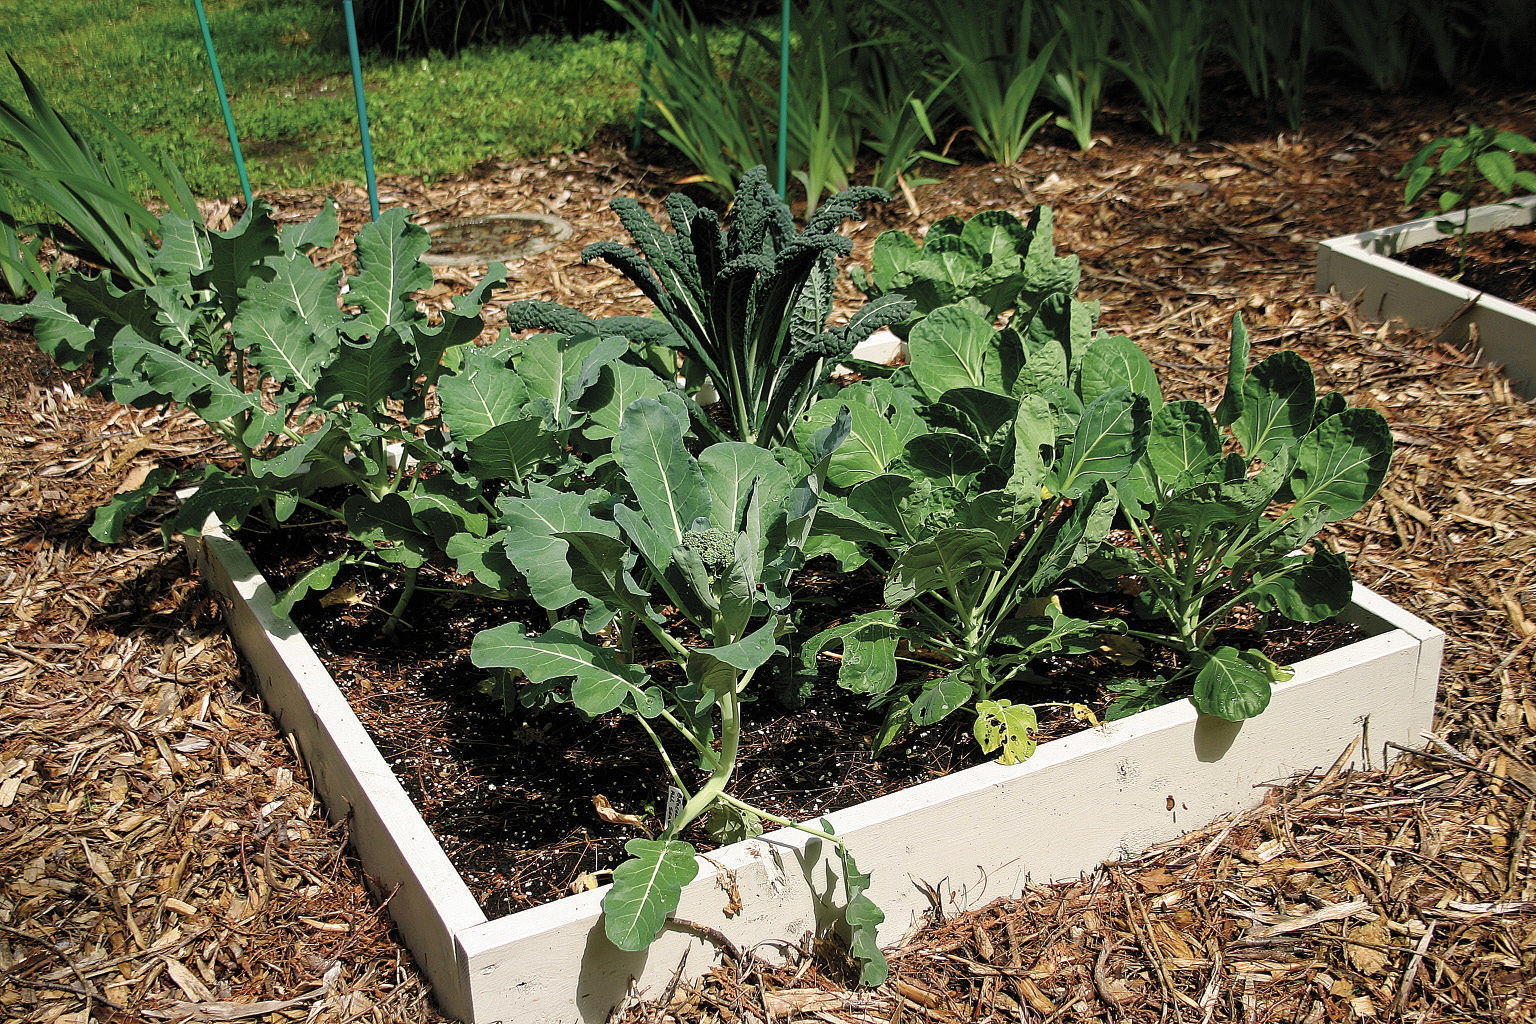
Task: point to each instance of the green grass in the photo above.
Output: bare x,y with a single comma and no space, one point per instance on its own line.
285,66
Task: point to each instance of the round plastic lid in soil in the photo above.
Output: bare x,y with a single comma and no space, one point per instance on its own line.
493,238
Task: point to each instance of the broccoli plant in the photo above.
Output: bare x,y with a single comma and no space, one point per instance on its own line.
370,415
718,538
748,304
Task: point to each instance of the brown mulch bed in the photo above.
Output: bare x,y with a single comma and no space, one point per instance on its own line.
161,855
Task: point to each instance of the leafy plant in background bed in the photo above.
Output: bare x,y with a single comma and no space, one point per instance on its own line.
992,263
1165,44
1271,42
1466,165
717,538
998,66
712,109
748,303
977,478
87,192
1082,64
1209,535
244,330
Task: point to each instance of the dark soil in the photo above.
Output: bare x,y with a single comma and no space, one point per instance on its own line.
1501,263
509,793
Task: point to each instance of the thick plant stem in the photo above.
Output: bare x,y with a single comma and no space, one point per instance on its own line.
406,592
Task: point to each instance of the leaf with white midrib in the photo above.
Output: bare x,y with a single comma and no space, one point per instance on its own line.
389,254
1110,437
667,482
483,394
646,890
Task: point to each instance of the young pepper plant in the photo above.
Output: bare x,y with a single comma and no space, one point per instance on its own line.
1464,164
1209,537
977,479
748,304
718,538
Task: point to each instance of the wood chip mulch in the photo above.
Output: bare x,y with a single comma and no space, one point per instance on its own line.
162,857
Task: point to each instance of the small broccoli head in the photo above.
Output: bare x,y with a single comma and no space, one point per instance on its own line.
715,547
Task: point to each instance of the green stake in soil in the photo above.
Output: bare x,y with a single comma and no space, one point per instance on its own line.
218,84
362,111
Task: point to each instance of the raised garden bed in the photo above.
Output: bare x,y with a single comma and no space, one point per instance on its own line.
1101,793
1363,268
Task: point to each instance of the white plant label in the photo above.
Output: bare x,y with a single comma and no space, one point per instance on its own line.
675,800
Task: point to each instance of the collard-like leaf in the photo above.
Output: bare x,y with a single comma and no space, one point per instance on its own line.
297,285
1277,405
939,698
1304,588
511,450
646,890
1110,437
1230,686
365,375
618,385
1184,446
189,382
229,497
1231,405
751,651
943,560
111,518
532,545
483,558
387,529
280,345
1006,726
868,664
1114,362
667,482
945,455
731,469
1341,464
320,578
872,444
240,254
948,350
316,233
600,683
483,394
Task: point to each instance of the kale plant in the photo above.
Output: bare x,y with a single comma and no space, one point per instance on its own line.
749,303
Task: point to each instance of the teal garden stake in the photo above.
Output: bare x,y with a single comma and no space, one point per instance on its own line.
362,111
784,100
218,84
